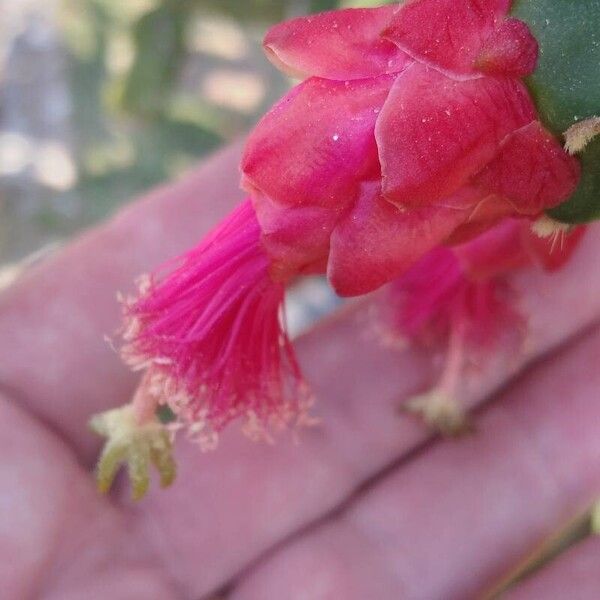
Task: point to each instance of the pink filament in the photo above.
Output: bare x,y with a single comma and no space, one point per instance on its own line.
213,328
436,294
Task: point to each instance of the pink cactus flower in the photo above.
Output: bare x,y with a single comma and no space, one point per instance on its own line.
212,337
412,128
466,283
459,297
399,139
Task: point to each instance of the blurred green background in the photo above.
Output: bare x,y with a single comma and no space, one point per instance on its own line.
102,99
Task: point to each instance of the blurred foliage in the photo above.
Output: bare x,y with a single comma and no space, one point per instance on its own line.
158,38
261,10
135,122
320,5
137,119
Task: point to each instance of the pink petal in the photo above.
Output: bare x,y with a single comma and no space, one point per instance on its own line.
422,302
296,238
341,44
376,241
434,132
532,171
436,294
552,253
316,145
495,252
511,49
485,214
446,33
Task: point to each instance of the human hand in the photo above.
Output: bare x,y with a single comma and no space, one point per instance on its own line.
366,506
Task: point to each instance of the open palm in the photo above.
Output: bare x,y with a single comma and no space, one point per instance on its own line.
366,506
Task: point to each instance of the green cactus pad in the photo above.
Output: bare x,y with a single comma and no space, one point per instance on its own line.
566,85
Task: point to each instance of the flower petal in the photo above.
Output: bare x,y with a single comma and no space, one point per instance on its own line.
496,251
376,241
485,214
296,238
532,171
553,252
512,244
341,44
434,132
437,294
446,33
316,145
511,50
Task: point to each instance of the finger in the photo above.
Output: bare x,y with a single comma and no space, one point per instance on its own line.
58,539
53,321
574,575
453,520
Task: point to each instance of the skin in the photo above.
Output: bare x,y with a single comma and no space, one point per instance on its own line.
368,505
